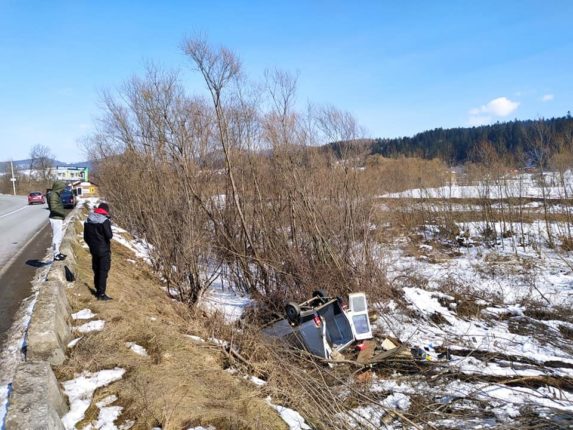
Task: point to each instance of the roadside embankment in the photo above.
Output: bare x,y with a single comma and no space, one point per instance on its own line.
142,353
36,401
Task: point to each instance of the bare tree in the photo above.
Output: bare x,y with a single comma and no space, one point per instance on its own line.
41,163
540,150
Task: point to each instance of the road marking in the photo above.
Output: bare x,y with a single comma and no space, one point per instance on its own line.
13,212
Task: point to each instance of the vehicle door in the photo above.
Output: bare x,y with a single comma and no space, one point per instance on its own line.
358,316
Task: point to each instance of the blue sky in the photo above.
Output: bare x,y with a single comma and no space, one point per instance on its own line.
398,67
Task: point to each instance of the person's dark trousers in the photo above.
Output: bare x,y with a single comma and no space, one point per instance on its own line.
101,265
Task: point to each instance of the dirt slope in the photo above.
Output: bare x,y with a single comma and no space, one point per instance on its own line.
181,383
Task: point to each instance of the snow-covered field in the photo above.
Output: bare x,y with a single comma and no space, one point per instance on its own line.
525,185
501,317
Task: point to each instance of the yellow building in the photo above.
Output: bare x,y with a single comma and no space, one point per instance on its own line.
85,189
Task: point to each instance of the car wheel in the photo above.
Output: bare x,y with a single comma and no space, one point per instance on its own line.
319,297
292,311
319,293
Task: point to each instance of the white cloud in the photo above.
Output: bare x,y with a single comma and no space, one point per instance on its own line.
499,107
547,97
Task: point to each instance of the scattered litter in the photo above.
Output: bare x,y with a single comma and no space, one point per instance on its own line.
96,325
138,349
80,391
84,314
388,345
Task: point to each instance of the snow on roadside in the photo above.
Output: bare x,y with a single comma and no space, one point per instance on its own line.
80,391
4,395
14,345
84,314
74,342
96,325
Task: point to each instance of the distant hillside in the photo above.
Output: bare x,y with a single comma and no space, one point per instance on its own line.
25,164
519,140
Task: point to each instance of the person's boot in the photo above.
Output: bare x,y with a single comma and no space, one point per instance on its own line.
104,297
60,257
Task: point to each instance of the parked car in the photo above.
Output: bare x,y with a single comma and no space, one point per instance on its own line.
36,197
68,199
323,325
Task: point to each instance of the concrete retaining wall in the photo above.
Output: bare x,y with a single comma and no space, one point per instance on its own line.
37,402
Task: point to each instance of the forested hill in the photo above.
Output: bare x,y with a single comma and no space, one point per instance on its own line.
520,140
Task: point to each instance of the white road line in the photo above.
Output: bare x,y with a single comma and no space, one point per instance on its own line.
13,212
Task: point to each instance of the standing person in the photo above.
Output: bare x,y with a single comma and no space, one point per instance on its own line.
97,234
57,215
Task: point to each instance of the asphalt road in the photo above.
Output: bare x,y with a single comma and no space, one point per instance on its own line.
24,239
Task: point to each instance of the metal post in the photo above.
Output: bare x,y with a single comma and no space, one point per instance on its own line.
13,179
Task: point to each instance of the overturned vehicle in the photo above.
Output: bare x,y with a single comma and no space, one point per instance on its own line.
324,325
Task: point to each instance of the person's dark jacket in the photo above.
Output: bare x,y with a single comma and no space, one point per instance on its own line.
97,233
55,202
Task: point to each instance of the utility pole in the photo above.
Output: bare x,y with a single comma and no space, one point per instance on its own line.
13,179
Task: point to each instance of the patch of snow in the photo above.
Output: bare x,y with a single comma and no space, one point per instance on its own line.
96,325
366,417
195,338
84,314
138,349
80,391
74,342
126,425
292,418
257,381
397,401
536,398
140,248
4,395
218,342
107,415
226,301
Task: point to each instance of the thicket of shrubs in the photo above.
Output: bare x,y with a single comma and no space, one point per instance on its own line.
240,182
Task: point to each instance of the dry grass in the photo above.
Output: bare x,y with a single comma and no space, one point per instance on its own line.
180,383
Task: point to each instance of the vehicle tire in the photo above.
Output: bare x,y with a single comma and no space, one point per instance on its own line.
292,311
319,293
